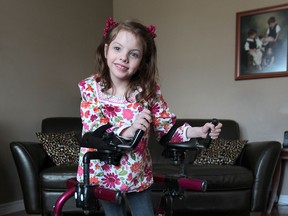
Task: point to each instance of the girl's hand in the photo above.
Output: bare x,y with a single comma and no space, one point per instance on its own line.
142,122
194,132
215,130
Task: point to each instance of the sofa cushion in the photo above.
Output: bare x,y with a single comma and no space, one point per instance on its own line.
61,125
62,148
55,178
218,177
221,152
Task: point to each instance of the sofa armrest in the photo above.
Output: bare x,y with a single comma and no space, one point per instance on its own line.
30,158
261,158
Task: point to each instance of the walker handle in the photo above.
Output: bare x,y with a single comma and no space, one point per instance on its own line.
208,139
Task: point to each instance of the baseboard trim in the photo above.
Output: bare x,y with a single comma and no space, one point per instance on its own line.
283,200
12,207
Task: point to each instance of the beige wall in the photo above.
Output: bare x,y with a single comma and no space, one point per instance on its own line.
46,47
196,49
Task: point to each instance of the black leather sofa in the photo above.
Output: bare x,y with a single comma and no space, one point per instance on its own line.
237,189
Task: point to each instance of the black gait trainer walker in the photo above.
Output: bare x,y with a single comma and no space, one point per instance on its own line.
110,149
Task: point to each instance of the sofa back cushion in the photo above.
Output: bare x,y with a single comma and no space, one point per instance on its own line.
61,125
230,131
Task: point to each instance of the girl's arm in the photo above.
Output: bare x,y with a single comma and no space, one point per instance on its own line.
90,112
163,120
195,132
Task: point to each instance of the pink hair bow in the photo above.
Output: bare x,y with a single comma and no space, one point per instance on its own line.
111,24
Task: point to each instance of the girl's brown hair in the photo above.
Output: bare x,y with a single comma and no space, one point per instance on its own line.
147,74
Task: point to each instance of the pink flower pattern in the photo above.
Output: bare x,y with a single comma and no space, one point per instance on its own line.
128,114
111,111
135,170
110,180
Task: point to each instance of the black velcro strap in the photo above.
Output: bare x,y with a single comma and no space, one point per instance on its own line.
97,137
101,130
167,137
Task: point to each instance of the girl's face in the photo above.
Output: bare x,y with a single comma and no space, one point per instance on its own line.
124,55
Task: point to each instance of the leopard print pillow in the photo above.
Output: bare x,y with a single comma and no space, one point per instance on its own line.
62,148
221,152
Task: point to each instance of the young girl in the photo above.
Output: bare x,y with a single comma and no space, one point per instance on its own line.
124,92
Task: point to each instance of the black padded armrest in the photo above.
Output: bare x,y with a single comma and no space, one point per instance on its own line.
30,158
261,158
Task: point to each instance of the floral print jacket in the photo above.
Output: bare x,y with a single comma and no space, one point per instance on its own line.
135,170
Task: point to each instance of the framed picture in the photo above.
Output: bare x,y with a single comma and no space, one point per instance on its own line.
261,43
